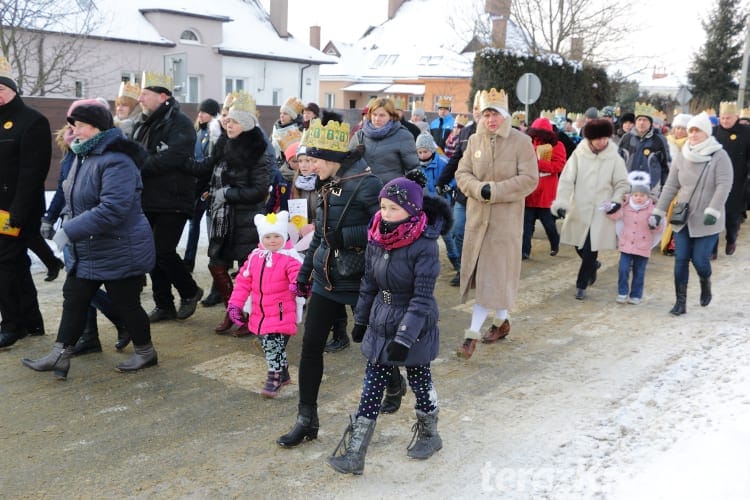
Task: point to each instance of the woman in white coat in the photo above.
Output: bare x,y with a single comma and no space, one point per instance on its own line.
593,184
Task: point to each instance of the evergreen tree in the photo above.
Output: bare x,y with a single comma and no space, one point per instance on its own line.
713,73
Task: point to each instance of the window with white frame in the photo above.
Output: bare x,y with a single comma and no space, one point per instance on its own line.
190,36
330,100
233,84
193,90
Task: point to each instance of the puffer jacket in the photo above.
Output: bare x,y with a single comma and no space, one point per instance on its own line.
541,134
168,137
319,263
267,279
390,156
397,299
110,235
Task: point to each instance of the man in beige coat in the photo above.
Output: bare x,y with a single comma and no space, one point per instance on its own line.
592,184
497,171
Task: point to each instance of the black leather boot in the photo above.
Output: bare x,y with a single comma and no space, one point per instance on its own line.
681,299
340,340
349,455
305,429
394,394
89,340
123,337
705,291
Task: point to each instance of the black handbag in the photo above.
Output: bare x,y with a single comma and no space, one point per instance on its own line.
681,210
348,262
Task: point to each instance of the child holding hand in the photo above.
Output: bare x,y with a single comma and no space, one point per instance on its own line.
268,277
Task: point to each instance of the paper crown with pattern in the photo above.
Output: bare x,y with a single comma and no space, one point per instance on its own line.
398,102
494,99
293,105
727,108
444,101
745,113
462,120
560,112
290,136
244,102
334,136
546,113
129,89
160,80
645,109
229,99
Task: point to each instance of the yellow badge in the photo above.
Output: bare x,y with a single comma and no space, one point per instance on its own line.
733,137
646,152
477,154
8,125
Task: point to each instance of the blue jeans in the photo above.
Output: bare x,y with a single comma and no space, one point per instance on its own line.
638,264
459,223
689,249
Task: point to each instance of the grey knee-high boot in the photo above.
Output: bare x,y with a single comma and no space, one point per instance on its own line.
143,357
349,457
426,440
57,361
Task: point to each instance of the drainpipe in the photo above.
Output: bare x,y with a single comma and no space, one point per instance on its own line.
302,78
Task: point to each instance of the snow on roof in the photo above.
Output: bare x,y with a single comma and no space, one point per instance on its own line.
246,28
424,39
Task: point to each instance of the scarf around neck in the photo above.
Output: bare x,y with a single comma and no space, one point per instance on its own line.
403,235
701,152
306,182
87,146
636,206
378,133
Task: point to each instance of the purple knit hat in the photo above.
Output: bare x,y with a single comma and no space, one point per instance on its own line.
405,193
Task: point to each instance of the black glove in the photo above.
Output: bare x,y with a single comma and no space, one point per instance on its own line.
358,332
486,192
303,289
614,207
417,176
397,351
654,221
561,212
709,220
47,230
334,239
445,188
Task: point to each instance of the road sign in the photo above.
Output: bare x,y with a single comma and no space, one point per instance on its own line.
528,88
683,96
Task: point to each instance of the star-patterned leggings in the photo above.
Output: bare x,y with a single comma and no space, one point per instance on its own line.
376,380
274,347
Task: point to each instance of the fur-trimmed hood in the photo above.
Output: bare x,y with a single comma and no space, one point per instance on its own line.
439,215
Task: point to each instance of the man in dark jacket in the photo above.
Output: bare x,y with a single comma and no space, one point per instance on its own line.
735,138
25,152
168,136
644,148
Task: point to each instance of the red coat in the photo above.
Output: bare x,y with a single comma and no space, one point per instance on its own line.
549,170
267,281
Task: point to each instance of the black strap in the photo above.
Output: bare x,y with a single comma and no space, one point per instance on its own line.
698,182
348,203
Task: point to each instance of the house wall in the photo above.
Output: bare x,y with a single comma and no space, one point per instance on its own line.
262,77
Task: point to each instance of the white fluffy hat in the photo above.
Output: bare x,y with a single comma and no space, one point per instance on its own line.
702,122
277,223
681,120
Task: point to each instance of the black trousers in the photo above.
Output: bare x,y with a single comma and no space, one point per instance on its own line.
322,313
19,307
169,269
126,299
588,263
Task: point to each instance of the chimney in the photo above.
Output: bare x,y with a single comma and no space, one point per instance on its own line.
499,11
576,48
393,6
280,17
315,36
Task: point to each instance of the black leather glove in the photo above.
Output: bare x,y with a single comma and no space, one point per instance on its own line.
334,239
486,192
561,212
445,188
654,221
417,176
303,289
397,351
614,207
358,332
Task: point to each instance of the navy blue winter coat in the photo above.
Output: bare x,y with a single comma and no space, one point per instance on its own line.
110,235
408,274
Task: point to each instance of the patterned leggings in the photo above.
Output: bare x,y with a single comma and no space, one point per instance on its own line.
376,380
274,346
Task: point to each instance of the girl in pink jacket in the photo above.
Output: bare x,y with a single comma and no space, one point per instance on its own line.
637,234
265,278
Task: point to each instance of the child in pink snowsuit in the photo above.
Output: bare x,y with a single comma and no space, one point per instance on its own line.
266,277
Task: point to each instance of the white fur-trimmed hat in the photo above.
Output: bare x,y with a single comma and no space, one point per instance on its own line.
277,223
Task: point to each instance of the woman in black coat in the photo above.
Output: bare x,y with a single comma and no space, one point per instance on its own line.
239,186
334,262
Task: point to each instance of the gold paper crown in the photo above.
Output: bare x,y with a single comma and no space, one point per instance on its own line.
476,100
710,112
493,99
292,135
571,116
151,79
333,137
745,113
417,105
128,89
244,102
229,99
6,70
727,108
644,109
660,116
462,120
398,102
545,113
560,111
444,101
294,104
521,115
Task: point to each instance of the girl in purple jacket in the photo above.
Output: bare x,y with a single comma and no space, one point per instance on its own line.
636,236
265,278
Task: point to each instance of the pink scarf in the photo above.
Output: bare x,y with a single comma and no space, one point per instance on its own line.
405,233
